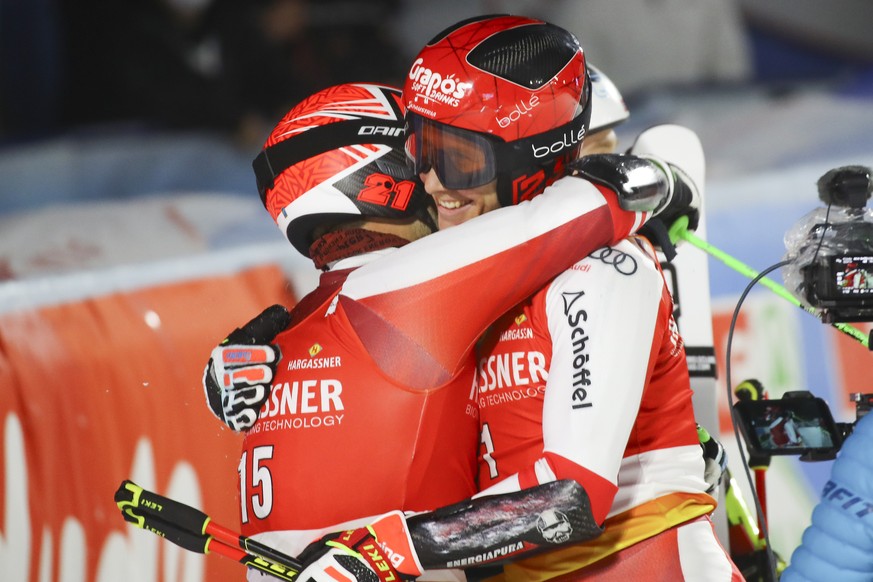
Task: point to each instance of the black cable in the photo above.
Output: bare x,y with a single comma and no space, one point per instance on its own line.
824,231
762,525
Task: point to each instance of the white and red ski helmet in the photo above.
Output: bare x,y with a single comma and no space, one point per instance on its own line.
338,156
519,83
608,108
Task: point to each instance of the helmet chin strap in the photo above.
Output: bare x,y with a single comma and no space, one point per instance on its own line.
522,184
518,179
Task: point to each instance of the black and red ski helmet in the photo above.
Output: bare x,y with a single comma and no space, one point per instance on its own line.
514,85
338,156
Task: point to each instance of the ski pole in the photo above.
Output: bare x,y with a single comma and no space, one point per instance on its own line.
195,531
206,544
679,231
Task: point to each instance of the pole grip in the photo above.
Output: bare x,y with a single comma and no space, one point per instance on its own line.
133,499
193,530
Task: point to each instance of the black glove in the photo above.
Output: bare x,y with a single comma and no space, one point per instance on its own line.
677,151
237,377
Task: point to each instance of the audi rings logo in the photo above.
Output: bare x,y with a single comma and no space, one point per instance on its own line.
621,262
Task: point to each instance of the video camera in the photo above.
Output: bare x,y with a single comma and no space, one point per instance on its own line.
829,267
796,424
832,249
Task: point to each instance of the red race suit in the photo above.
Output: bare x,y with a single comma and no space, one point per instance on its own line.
372,405
587,380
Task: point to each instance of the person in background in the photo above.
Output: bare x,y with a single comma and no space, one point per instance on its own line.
367,380
645,46
838,544
782,429
219,66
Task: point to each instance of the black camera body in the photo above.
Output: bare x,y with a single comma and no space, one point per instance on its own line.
796,424
799,424
841,286
839,280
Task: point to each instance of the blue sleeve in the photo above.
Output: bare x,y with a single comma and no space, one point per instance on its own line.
838,544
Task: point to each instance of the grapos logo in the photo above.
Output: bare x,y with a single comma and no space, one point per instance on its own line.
429,84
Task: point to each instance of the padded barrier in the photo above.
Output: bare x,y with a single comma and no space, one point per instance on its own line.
106,388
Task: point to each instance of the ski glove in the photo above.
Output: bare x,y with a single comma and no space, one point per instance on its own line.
715,461
240,370
380,552
677,151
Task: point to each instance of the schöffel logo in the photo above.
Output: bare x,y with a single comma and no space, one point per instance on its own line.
568,139
576,315
429,84
620,261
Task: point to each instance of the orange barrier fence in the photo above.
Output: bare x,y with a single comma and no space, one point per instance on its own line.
107,388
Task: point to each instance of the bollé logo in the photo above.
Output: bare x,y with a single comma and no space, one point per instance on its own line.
568,139
519,110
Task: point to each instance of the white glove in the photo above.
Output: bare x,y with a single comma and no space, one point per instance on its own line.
237,377
380,552
715,461
237,383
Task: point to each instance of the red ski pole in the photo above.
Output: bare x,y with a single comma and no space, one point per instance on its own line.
195,531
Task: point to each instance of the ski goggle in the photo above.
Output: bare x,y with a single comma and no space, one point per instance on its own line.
462,159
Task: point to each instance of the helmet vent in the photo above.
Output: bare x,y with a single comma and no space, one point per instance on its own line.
529,55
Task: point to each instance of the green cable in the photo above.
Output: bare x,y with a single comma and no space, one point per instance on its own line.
679,231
